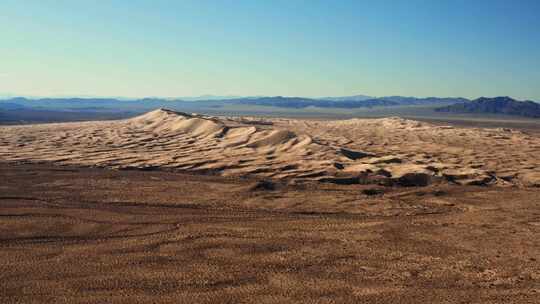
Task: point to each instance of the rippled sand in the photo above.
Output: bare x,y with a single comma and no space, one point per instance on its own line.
389,151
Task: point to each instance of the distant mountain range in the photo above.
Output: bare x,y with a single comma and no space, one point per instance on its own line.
497,105
358,101
206,97
348,98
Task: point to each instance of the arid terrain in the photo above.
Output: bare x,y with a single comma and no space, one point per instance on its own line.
388,150
169,207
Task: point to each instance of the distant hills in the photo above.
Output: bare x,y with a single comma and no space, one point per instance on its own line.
358,101
11,106
215,104
497,105
348,98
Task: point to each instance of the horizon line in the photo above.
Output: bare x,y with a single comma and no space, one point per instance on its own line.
4,96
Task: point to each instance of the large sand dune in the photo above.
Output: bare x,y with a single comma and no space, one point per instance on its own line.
386,151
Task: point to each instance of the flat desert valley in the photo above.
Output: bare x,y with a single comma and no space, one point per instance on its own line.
170,207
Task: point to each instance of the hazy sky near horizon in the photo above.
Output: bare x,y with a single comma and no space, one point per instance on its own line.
138,48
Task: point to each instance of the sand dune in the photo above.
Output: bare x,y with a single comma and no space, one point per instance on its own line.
391,151
459,155
169,139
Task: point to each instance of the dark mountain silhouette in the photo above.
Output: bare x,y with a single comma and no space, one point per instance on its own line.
496,105
11,106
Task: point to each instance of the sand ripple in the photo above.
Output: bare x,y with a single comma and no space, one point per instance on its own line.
390,151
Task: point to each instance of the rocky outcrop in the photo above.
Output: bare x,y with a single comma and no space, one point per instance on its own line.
468,176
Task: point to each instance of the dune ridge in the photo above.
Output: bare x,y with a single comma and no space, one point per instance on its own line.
389,151
168,139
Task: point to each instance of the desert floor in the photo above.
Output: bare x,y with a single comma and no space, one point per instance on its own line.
88,235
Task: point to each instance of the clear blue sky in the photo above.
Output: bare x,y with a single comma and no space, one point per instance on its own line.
294,48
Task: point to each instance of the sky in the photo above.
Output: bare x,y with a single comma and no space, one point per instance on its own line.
136,48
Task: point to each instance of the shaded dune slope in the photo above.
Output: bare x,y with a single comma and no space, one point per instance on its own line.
389,151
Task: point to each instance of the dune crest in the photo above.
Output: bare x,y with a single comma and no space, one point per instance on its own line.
169,139
390,151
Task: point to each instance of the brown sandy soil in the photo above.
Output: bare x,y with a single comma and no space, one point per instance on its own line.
83,235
